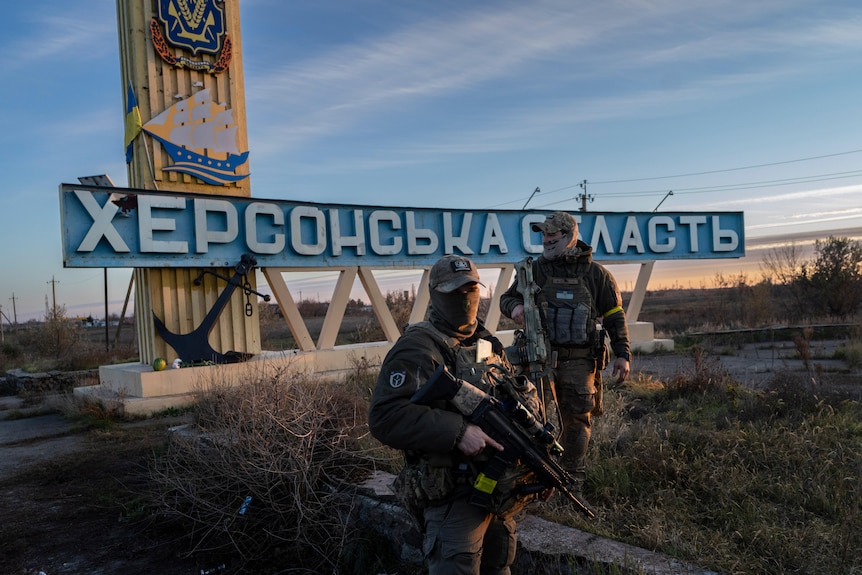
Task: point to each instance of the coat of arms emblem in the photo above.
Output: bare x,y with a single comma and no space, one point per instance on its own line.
194,25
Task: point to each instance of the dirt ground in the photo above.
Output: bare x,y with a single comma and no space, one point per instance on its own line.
71,500
751,363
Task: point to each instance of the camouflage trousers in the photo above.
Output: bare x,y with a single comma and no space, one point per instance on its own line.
463,539
575,382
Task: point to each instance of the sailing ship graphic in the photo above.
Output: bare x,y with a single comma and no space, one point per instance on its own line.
200,136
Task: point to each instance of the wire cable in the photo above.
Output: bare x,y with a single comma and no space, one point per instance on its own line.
710,189
727,169
743,186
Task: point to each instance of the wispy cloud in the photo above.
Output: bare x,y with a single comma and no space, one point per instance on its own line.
432,59
812,220
78,35
773,214
819,194
570,50
828,215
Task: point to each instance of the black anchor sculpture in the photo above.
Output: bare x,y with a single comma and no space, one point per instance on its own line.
194,347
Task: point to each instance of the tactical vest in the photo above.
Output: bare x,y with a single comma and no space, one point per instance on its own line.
435,477
570,311
473,363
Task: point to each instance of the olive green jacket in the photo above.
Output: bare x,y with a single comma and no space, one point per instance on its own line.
600,282
398,423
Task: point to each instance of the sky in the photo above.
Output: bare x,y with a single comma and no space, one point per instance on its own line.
730,105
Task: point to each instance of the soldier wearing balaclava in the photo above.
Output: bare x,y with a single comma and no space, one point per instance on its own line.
578,297
444,453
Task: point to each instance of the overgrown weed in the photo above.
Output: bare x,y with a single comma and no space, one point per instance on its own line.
851,353
86,414
262,474
735,480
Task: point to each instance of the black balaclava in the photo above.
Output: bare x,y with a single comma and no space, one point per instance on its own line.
455,313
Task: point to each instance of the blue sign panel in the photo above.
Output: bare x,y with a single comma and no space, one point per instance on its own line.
116,227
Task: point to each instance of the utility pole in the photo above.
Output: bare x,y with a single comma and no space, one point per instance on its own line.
14,312
107,329
584,196
2,315
54,283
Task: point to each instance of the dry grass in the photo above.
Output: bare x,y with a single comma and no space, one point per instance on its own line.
851,352
64,345
737,481
696,466
261,473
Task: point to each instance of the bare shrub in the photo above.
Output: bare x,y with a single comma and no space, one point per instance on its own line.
803,346
10,355
787,395
782,271
312,308
53,343
706,375
851,353
362,377
61,343
260,472
400,303
86,413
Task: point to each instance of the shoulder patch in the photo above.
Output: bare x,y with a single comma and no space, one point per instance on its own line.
397,378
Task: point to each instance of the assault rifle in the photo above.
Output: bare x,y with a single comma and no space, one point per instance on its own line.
531,348
513,426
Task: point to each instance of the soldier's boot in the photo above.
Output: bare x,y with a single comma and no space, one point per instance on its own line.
577,489
576,442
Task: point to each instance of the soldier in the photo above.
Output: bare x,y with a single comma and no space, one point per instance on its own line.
443,452
577,295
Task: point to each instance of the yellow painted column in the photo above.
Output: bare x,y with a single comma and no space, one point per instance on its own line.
163,74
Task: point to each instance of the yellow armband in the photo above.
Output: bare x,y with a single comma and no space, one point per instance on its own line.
612,311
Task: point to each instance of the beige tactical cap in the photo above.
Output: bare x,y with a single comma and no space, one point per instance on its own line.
556,222
451,272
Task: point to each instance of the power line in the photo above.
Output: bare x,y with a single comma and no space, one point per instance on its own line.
728,169
710,189
744,186
723,188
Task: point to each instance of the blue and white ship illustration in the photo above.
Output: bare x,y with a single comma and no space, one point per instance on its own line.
200,136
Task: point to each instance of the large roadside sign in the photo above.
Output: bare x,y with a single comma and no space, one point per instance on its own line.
120,227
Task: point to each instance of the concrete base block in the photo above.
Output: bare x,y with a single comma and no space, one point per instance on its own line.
643,340
138,389
128,405
641,331
652,346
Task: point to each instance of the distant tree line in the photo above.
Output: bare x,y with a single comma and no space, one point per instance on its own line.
793,289
829,285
